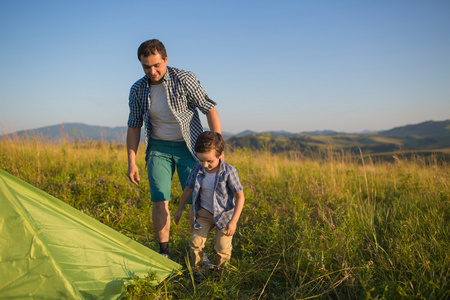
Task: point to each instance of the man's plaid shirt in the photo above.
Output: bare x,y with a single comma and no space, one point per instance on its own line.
184,94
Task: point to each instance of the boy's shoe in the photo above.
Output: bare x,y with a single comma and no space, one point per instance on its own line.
217,274
197,278
165,255
207,263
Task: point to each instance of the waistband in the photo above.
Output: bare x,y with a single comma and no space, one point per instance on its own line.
166,143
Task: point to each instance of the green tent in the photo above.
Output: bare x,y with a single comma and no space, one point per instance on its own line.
50,250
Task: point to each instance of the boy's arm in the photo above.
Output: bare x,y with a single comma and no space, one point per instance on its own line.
231,227
187,193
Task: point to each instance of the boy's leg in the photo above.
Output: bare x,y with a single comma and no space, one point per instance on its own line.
199,237
223,248
185,162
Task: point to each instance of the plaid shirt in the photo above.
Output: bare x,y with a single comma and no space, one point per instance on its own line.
227,184
184,94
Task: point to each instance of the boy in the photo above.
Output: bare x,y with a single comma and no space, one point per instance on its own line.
214,184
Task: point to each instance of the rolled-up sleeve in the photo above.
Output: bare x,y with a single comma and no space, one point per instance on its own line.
233,181
135,118
198,96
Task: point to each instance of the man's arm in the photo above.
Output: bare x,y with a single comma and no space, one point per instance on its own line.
213,120
231,227
133,138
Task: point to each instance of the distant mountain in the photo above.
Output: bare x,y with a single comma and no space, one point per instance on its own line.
424,136
246,132
322,132
76,131
425,129
83,132
429,136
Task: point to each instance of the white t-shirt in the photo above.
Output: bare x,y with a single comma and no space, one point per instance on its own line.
207,192
164,125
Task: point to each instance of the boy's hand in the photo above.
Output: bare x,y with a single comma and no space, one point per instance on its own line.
177,216
231,228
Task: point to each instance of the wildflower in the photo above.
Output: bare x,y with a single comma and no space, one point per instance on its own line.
332,225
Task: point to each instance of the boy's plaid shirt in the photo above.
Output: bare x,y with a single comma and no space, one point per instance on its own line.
184,94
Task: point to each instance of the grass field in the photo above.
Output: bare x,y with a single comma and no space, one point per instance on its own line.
332,227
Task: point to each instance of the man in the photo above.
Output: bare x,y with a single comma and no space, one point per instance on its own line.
166,99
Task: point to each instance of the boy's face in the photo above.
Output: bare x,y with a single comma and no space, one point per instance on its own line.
209,161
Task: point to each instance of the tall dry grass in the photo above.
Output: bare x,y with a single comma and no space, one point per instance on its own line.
333,226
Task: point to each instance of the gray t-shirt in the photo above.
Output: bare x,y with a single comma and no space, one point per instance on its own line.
165,126
207,192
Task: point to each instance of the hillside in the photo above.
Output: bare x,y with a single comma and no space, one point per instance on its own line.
426,135
430,135
76,131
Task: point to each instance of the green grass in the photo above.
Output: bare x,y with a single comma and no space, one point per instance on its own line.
334,226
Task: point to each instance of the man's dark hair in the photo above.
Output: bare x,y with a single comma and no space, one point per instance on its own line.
151,47
208,141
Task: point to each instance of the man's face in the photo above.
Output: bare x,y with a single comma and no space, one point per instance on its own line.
154,67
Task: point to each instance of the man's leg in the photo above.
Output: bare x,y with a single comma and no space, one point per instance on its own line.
185,162
161,223
160,168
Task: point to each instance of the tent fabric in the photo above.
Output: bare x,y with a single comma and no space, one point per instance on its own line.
50,250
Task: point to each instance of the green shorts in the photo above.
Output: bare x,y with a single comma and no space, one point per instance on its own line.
162,159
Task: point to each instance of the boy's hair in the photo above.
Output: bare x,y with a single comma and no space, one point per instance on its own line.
151,47
208,141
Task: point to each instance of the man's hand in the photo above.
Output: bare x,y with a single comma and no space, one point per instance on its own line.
133,174
177,216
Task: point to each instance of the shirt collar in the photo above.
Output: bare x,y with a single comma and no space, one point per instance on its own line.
166,77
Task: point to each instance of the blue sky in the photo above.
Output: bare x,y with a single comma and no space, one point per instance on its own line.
270,65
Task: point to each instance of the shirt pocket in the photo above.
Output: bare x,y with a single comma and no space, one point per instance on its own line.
179,95
222,193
